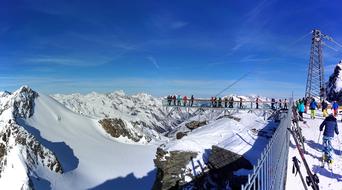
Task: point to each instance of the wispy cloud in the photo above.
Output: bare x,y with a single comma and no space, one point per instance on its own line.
153,61
178,24
254,58
66,61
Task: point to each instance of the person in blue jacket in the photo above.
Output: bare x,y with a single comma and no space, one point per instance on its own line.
313,107
301,109
330,127
335,108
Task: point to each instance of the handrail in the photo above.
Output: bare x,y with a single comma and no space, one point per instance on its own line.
270,171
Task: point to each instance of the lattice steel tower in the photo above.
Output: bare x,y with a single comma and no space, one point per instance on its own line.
315,85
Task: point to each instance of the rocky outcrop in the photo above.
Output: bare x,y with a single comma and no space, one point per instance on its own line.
117,127
195,124
171,168
221,158
334,85
21,102
14,136
180,135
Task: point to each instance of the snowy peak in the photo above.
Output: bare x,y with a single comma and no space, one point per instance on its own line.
334,85
143,111
18,104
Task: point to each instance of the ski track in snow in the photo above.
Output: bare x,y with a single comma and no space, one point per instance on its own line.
328,180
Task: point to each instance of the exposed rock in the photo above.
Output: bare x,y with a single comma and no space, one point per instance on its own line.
230,161
334,85
36,154
22,102
117,127
2,151
195,124
171,168
180,135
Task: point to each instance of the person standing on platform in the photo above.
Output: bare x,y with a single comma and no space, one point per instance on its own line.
313,107
335,108
285,104
219,102
272,104
179,99
257,103
192,100
225,101
324,108
185,100
174,99
280,105
301,109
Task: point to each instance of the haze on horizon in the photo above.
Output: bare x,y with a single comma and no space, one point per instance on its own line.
161,48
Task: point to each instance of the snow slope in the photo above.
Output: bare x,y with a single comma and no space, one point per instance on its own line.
95,158
142,110
236,136
89,158
328,180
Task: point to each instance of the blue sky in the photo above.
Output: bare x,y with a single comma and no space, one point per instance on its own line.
163,47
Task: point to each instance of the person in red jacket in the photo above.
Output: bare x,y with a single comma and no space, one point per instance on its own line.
185,99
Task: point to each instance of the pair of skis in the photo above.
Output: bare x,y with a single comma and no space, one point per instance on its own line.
311,179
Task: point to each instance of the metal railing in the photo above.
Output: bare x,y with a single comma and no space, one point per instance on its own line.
270,171
205,103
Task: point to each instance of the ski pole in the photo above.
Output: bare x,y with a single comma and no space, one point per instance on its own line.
319,136
339,145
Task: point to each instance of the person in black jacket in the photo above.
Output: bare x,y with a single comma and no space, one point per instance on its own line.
330,127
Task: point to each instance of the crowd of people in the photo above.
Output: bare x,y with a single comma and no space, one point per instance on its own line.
305,104
224,102
329,126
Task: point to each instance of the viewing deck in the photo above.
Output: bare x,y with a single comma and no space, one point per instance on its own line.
209,104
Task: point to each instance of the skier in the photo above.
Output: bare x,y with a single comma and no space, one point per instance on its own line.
192,100
313,106
185,99
280,106
330,127
225,101
240,103
324,108
335,108
215,102
301,109
212,101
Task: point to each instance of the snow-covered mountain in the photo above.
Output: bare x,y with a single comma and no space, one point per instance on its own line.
334,85
142,111
114,141
44,145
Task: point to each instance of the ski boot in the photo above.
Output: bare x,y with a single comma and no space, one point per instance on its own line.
330,164
324,158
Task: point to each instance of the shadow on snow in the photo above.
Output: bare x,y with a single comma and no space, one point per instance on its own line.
63,152
129,182
324,172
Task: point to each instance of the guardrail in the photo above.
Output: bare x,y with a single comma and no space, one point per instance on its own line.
205,103
270,171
